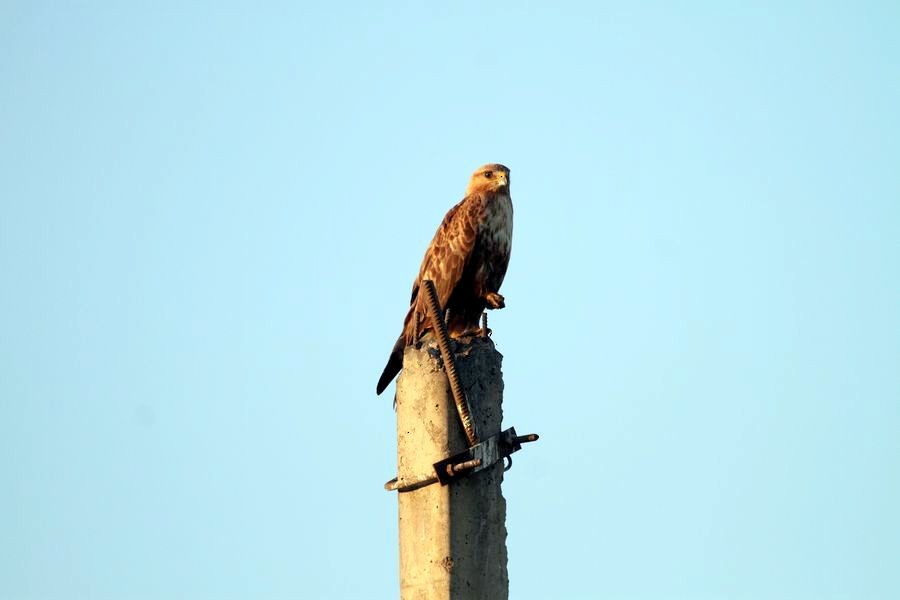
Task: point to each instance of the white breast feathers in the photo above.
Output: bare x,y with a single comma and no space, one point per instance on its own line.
498,222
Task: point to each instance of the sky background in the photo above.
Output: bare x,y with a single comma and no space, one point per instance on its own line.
211,214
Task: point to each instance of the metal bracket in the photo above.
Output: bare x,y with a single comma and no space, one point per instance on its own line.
481,456
472,460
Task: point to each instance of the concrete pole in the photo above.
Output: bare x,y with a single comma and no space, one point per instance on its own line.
452,538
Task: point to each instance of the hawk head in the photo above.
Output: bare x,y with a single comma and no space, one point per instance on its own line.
489,178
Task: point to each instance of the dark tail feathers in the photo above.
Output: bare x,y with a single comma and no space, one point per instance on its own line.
393,366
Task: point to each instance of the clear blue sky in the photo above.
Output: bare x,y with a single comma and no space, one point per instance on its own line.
211,216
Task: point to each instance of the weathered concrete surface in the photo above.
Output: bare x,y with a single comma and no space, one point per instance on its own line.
452,538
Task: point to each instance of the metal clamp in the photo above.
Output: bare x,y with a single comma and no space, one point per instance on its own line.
481,456
472,460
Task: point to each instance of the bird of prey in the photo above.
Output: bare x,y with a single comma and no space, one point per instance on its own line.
467,262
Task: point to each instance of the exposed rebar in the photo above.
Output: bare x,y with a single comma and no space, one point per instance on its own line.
440,329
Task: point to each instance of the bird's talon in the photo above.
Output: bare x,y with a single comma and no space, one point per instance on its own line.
495,300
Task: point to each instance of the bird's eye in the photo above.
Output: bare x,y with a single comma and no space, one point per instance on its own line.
488,174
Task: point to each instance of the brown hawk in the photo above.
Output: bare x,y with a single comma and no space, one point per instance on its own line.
466,260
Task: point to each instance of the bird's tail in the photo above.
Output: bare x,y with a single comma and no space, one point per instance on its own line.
393,366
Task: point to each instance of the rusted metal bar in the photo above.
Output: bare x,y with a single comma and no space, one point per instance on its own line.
469,464
440,329
409,486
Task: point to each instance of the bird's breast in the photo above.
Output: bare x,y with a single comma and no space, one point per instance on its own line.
498,222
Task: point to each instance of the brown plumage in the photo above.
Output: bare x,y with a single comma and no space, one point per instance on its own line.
466,260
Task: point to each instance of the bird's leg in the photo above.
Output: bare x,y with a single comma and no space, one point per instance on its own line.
494,300
455,328
463,327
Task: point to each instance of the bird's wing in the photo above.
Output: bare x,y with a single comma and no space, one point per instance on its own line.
445,259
